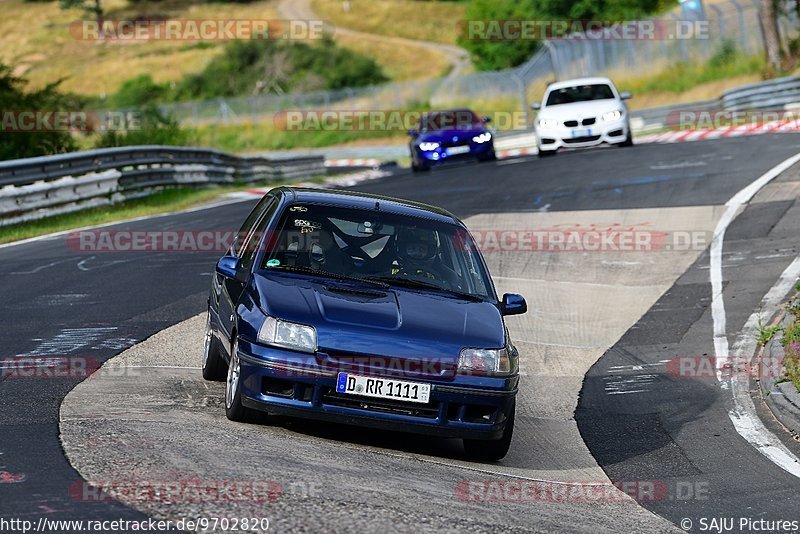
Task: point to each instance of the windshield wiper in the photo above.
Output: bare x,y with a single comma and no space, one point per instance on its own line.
326,274
419,284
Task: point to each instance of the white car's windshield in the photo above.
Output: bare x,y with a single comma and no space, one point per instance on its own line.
579,93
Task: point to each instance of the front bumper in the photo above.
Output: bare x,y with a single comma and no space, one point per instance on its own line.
289,383
439,156
611,132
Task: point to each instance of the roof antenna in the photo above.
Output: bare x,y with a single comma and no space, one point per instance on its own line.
377,205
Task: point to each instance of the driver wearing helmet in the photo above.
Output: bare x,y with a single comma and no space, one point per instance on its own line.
417,254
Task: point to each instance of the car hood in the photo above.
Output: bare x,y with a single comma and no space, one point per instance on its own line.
580,110
461,134
358,318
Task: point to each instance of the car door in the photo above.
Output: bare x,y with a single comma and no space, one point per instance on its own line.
228,291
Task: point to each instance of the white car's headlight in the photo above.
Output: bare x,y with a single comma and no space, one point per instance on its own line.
290,335
548,123
486,362
612,115
428,146
482,138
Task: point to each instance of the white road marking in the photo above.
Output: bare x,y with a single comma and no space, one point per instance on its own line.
743,414
43,267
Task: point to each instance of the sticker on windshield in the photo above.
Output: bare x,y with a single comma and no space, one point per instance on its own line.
307,226
273,263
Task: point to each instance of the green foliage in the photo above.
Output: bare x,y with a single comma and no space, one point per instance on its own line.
153,128
90,7
684,76
20,144
137,91
791,334
724,55
259,66
263,66
490,54
499,54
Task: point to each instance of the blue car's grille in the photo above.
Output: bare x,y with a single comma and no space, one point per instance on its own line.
429,411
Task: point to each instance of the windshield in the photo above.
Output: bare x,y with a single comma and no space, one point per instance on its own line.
373,246
579,93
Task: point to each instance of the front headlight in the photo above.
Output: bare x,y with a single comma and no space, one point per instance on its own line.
482,138
548,123
428,146
612,115
289,335
492,362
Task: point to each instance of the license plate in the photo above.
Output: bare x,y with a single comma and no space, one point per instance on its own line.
383,388
457,150
581,133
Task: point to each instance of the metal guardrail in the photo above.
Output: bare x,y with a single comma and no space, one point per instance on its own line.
778,94
38,187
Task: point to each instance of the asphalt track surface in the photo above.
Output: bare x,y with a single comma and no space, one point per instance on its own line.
58,300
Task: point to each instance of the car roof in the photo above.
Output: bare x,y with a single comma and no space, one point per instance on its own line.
579,81
354,199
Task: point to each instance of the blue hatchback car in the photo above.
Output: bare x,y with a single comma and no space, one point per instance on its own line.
363,310
451,135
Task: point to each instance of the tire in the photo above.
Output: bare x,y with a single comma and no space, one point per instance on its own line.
628,140
214,367
547,153
234,410
490,157
417,168
482,450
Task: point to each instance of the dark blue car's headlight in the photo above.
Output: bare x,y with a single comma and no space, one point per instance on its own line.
485,137
488,362
289,335
427,146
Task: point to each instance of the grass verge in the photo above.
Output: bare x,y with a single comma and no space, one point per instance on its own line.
791,341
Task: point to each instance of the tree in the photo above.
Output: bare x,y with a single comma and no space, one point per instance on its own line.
23,144
772,41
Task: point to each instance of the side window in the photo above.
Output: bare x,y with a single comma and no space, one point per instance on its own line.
250,247
249,222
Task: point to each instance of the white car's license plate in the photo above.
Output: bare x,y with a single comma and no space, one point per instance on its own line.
384,388
581,133
457,150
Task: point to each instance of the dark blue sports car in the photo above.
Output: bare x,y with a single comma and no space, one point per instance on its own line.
452,135
363,310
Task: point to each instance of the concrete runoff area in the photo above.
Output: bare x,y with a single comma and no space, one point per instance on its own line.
155,418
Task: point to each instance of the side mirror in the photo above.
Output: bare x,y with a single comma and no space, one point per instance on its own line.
626,95
229,267
536,105
412,132
513,304
487,119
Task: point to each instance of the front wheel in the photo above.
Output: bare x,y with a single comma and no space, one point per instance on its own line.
546,153
628,140
234,410
492,450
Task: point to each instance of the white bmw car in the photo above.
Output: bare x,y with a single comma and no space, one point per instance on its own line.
581,113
